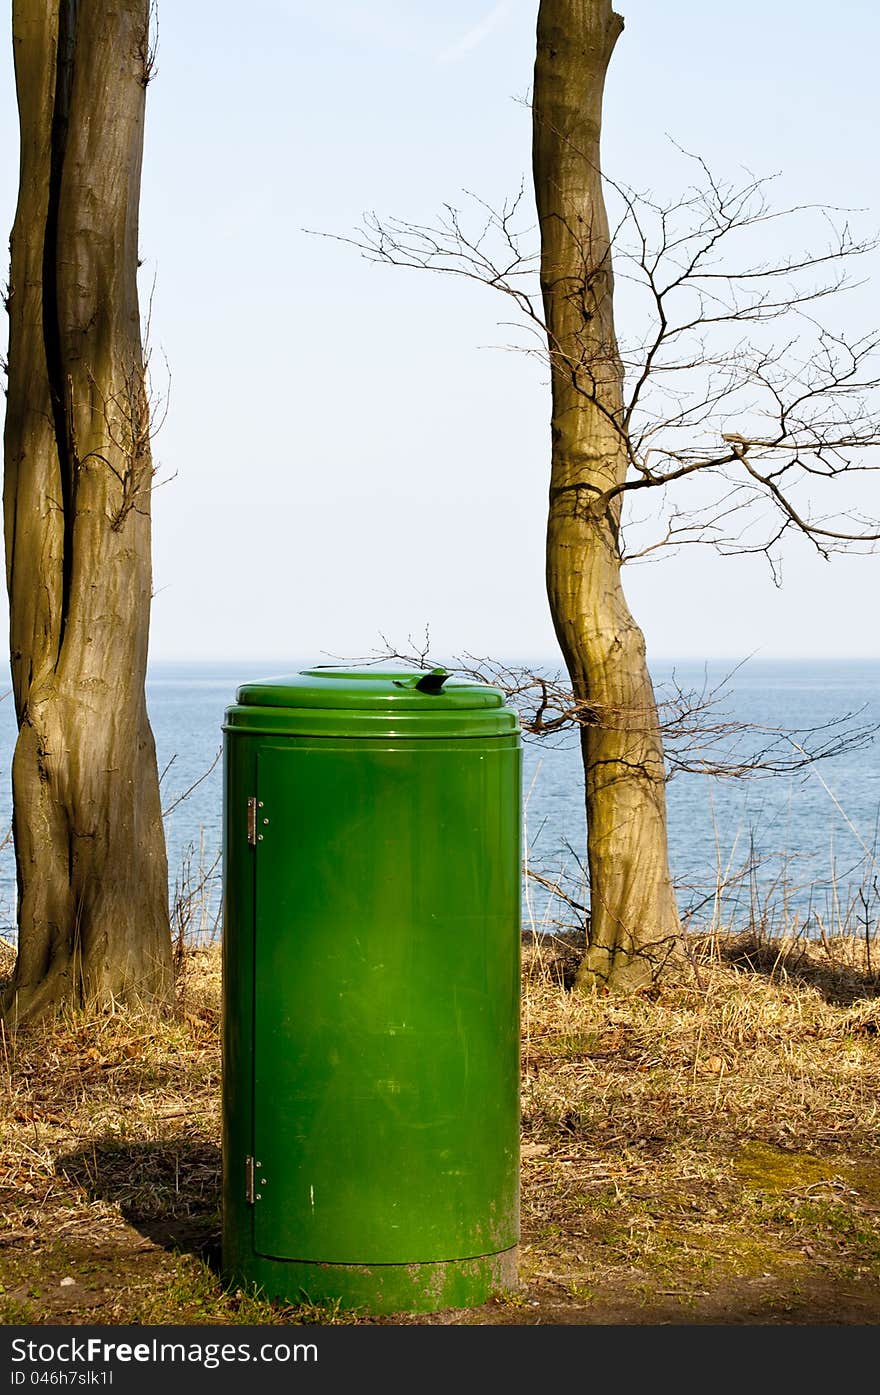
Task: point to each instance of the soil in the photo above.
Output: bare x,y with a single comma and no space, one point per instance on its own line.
129,1267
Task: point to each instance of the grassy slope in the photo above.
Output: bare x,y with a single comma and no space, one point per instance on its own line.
705,1152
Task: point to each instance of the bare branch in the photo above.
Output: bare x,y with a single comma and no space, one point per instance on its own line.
765,422
700,735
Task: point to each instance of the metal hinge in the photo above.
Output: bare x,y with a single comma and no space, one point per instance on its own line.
252,821
249,1180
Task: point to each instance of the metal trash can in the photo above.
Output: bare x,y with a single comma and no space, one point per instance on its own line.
371,962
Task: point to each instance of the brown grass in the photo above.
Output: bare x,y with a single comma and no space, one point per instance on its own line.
706,1151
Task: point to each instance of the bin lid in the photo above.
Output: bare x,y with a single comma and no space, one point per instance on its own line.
372,702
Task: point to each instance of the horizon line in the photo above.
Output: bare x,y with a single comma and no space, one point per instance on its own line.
740,659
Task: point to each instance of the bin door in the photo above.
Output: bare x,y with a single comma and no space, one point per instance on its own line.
386,1003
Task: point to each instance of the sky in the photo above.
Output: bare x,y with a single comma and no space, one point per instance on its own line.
349,454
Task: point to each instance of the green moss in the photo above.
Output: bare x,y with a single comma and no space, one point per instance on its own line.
580,1293
763,1167
730,1252
847,1227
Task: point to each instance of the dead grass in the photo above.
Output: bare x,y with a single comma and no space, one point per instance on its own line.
706,1151
718,1136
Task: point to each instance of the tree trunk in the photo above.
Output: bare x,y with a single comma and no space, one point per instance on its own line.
89,843
633,918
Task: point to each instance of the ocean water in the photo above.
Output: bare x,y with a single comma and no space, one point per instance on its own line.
799,844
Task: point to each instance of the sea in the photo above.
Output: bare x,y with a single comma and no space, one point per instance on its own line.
760,833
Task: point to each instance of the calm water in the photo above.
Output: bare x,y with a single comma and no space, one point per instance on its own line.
811,835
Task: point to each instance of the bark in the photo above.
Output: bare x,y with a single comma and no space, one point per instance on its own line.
633,918
89,843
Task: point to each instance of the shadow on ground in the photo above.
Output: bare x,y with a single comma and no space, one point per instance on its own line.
559,954
169,1192
839,984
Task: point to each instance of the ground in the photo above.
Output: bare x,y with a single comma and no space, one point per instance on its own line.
704,1152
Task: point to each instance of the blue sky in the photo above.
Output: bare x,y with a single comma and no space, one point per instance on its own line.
348,451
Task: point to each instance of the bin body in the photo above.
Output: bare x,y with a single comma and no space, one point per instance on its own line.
372,861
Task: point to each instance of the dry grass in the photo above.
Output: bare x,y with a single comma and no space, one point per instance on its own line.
717,1135
762,1040
703,1152
110,1127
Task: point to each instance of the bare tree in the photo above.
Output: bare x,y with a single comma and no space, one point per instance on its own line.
729,381
89,844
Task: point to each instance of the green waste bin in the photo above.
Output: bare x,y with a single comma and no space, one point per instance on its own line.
371,961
